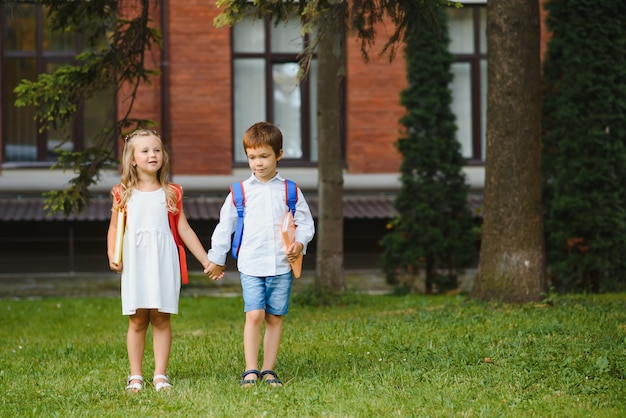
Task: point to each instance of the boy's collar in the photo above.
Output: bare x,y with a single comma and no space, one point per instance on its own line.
276,177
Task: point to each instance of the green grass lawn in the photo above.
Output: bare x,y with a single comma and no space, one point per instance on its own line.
379,356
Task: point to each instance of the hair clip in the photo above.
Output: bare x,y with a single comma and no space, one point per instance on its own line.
141,132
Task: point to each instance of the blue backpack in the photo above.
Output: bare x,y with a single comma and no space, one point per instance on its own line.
239,200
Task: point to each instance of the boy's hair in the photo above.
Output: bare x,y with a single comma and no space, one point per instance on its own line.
263,133
129,178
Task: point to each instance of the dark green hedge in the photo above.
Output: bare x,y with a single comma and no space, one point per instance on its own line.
433,231
584,144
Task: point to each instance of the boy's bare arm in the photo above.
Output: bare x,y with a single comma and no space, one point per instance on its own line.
192,242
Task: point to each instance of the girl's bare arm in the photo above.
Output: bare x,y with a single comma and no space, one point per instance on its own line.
191,240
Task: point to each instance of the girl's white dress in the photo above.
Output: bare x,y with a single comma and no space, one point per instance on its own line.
151,273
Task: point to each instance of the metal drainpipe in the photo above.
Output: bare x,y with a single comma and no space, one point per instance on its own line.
165,94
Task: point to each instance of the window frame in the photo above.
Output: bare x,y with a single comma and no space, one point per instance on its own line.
475,59
271,58
43,58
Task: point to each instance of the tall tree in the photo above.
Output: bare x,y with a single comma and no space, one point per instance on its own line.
512,266
331,57
433,232
585,144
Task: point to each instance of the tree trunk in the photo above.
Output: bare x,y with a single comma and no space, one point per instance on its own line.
331,57
512,265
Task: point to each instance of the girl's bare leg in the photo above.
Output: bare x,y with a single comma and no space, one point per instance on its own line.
162,341
136,340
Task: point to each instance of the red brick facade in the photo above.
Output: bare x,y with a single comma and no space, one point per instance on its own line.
200,90
199,94
373,109
200,98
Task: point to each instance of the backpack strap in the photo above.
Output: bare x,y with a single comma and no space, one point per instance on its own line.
173,220
291,195
117,193
239,200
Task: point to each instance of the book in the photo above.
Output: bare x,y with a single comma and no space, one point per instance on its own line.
289,237
119,236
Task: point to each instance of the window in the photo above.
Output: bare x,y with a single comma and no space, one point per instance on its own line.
469,88
29,48
265,69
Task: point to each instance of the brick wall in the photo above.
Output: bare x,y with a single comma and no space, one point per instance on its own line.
200,89
200,97
373,108
200,94
147,101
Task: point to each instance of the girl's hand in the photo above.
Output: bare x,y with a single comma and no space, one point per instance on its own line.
115,267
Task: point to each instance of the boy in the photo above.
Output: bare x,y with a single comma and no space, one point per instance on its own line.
263,260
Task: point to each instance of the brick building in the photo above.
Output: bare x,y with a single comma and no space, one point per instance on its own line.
214,84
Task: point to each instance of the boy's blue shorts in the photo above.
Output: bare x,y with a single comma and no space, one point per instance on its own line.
269,293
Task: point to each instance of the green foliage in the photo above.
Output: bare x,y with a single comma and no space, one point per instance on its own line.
434,228
314,295
56,96
87,166
405,356
584,144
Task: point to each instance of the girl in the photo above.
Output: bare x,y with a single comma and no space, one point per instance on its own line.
151,277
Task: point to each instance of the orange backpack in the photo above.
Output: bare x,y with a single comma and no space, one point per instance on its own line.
173,220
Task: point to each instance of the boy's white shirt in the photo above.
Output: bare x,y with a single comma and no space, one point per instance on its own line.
262,252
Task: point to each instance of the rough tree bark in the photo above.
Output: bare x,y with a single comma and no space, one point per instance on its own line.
331,53
512,265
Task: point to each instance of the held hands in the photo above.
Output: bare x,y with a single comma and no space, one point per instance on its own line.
214,271
294,251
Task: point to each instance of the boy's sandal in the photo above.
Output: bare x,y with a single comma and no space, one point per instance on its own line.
274,381
244,383
164,385
137,386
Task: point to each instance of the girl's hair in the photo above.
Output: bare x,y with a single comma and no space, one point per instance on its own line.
263,133
130,179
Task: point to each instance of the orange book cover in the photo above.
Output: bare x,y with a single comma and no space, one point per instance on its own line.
289,236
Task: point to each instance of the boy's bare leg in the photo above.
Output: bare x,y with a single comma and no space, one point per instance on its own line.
271,343
252,338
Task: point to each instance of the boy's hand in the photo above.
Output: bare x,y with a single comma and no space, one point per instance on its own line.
214,271
294,251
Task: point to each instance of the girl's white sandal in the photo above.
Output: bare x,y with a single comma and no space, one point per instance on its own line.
161,385
134,387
